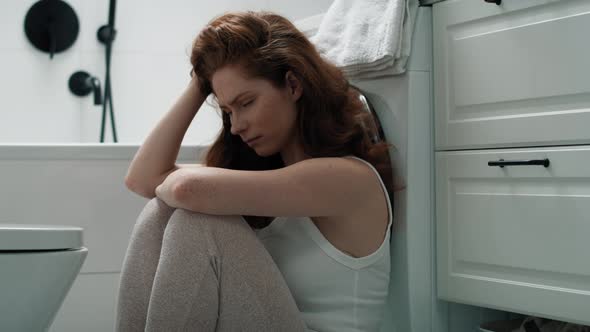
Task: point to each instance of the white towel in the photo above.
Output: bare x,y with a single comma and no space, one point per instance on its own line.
368,38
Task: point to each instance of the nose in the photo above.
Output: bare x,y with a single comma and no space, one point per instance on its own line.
237,125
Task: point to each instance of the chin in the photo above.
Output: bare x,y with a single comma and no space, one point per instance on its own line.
261,152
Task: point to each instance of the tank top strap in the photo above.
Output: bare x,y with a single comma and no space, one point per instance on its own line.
387,198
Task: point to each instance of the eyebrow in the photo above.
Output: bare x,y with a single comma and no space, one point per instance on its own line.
235,98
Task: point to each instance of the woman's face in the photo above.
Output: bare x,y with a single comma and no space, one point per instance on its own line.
257,109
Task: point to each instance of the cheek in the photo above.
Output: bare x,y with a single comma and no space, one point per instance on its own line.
283,118
277,117
290,115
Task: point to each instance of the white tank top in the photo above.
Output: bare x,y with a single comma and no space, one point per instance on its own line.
333,291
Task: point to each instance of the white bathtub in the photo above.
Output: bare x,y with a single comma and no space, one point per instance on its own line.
80,185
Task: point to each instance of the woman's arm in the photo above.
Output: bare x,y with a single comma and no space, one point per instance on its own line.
156,157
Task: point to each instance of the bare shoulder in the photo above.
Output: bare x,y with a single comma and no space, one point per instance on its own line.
344,176
362,230
354,170
358,175
178,166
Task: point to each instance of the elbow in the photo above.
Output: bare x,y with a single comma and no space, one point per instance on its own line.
135,187
131,184
185,196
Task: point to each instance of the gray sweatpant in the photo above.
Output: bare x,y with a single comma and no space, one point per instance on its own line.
188,271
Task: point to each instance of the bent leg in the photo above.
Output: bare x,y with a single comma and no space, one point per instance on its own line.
215,275
139,266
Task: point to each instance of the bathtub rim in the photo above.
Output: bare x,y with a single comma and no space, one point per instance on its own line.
102,151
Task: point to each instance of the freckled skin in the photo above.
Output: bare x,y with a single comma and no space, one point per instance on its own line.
264,111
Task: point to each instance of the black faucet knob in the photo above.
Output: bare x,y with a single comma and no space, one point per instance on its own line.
81,84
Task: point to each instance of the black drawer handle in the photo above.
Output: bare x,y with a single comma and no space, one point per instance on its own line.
502,162
497,2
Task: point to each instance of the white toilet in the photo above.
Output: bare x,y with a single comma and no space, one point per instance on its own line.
38,265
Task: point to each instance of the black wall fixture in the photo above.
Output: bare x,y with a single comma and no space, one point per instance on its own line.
81,84
106,35
51,26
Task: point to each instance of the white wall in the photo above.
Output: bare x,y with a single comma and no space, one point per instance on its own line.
149,69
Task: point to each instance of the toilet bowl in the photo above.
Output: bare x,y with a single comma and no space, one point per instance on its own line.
38,265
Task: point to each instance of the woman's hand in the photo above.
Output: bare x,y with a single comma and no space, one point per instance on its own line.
170,191
194,80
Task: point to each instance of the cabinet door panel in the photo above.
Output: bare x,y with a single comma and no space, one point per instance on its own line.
511,75
515,238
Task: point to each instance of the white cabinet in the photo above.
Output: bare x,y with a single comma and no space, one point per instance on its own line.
513,82
517,74
515,238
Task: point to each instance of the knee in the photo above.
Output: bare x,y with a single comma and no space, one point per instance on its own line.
218,231
214,222
157,206
154,213
192,216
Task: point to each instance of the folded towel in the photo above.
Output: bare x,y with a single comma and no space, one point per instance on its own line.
369,38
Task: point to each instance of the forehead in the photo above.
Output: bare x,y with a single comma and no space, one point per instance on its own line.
231,80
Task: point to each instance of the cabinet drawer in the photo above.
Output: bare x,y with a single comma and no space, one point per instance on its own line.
515,238
512,75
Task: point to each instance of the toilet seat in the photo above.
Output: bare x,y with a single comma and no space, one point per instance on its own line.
30,237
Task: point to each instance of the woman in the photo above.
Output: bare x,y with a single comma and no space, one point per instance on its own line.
294,150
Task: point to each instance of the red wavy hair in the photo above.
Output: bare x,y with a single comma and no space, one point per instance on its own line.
331,120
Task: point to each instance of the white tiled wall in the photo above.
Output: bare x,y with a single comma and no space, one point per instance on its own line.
149,68
79,185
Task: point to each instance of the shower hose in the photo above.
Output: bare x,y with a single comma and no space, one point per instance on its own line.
106,35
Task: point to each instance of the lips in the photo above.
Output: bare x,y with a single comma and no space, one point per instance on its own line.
252,140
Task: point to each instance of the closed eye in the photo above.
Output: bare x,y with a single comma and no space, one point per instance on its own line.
248,103
243,105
